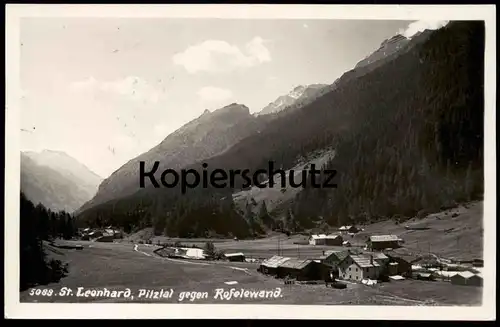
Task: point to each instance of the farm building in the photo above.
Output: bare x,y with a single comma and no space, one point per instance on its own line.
347,244
300,269
349,229
94,234
235,256
467,278
270,266
426,276
183,253
105,238
392,268
404,261
333,257
323,239
381,242
116,233
380,257
360,266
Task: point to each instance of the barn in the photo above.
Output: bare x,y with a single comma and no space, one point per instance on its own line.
270,266
466,278
235,256
105,238
300,269
382,242
476,280
404,261
322,239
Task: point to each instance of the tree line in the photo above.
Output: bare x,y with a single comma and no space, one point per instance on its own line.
39,224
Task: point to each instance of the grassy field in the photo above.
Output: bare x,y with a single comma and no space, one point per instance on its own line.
128,265
119,267
459,237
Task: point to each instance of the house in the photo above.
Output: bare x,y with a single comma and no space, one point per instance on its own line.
333,257
300,269
404,260
235,256
347,244
349,229
270,266
380,257
467,278
381,242
322,239
357,267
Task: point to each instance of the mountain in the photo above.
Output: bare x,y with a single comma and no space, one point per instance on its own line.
210,134
56,180
407,131
298,96
69,167
387,48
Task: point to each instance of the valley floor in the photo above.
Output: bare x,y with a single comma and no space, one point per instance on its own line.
121,266
118,266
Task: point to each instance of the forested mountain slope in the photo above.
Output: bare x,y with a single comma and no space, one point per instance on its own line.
408,136
203,137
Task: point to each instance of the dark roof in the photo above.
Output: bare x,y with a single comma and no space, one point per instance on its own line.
295,263
403,254
339,254
378,255
274,261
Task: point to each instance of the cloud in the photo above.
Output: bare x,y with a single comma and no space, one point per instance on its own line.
421,25
219,56
131,87
212,94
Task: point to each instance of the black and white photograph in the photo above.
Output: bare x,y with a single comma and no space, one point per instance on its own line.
318,159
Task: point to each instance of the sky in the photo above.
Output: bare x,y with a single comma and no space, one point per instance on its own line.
105,90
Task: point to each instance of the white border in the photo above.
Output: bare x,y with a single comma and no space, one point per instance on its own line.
14,309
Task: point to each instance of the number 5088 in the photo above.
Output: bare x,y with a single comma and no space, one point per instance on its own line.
41,292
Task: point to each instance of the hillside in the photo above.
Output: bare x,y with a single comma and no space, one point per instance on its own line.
300,95
387,48
69,167
56,180
407,131
208,135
